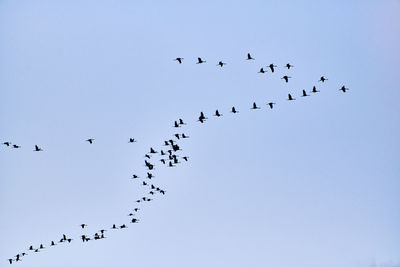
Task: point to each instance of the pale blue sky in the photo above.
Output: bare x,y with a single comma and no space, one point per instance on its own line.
314,182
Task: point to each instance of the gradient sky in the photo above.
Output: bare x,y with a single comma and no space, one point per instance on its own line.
314,182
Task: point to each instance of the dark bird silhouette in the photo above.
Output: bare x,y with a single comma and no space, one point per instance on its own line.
52,243
343,89
272,67
132,140
152,151
304,93
177,136
170,164
162,192
147,156
144,183
150,175
114,227
202,118
90,140
166,143
234,110
289,66
217,114
37,148
179,59
249,57
31,248
314,90
181,122
149,165
262,71
16,146
322,79
163,161
135,176
200,61
271,104
134,220
185,136
185,158
255,106
286,78
7,143
10,261
136,209
41,246
290,97
151,193
176,125
221,64
83,237
83,225
162,152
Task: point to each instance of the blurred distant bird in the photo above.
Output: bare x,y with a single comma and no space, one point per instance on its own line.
314,90
179,59
271,104
290,97
83,225
7,143
177,136
272,67
262,70
221,64
343,89
176,125
181,122
286,78
185,158
234,110
135,176
184,136
152,151
134,220
37,148
16,146
114,227
90,140
217,114
304,93
200,61
322,79
132,140
255,106
249,57
289,66
202,118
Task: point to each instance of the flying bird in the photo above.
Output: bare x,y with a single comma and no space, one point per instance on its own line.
176,125
83,225
234,110
221,64
286,78
217,114
16,146
344,89
249,57
90,140
322,79
289,66
272,67
290,97
314,90
132,140
7,143
179,59
271,104
255,106
200,61
181,122
37,148
304,93
262,70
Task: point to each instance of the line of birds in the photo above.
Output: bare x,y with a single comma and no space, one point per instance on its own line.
168,156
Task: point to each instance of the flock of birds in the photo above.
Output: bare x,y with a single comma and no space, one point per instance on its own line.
168,155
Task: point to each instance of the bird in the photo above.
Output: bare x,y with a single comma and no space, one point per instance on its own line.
271,104
170,164
150,175
10,261
176,125
152,151
52,243
83,225
181,122
272,67
90,140
147,156
114,227
134,220
177,136
144,183
37,148
184,136
185,158
249,57
136,209
202,118
304,93
135,176
31,248
289,66
286,78
290,97
234,110
179,59
41,246
16,146
200,61
344,89
322,79
217,114
162,192
132,140
7,143
262,70
221,64
163,161
255,106
314,90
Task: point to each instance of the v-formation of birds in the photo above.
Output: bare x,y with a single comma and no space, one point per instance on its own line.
168,156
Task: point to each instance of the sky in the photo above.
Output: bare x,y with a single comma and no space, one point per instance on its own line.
312,182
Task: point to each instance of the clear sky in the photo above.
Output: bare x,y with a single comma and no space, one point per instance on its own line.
313,182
